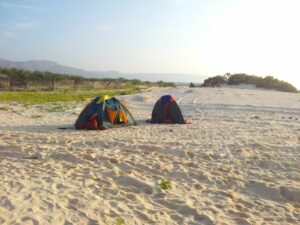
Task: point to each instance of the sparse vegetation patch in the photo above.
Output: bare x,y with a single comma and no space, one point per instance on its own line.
29,97
120,221
165,184
268,82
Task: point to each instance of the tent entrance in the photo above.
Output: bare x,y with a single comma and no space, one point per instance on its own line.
116,114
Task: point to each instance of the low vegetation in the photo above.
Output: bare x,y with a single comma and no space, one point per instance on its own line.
192,85
29,87
216,81
56,108
120,221
165,184
3,108
39,80
268,82
30,97
36,116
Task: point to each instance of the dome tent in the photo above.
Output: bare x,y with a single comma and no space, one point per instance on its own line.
166,110
102,113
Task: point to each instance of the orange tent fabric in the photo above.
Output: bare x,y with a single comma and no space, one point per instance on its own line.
123,117
112,115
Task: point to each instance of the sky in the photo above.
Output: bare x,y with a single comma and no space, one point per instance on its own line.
201,37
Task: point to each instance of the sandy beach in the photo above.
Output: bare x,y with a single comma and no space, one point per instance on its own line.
237,163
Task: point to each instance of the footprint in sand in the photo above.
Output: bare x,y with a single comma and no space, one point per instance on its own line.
14,152
263,191
32,220
135,184
186,210
291,194
64,157
2,221
6,203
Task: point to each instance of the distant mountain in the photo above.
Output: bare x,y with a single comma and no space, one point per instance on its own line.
41,65
44,65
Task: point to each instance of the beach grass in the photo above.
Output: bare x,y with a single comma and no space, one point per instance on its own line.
165,184
32,97
120,221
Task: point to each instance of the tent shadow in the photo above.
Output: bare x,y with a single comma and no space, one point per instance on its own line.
38,128
142,122
55,127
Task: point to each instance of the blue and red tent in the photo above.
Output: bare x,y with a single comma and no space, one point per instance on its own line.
166,110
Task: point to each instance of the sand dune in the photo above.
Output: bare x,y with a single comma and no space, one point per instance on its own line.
237,163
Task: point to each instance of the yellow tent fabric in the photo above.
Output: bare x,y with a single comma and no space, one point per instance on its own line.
112,115
123,117
104,98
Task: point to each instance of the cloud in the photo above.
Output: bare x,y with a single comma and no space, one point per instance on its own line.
7,34
26,7
25,24
18,25
11,30
106,28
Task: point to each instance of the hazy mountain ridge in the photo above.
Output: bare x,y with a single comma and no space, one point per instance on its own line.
45,65
41,65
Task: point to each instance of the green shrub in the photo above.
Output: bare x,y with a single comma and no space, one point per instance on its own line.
35,116
3,108
192,85
242,78
165,184
216,81
268,82
21,78
120,221
165,84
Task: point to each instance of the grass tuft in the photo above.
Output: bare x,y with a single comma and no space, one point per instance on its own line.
120,221
3,108
35,116
165,184
57,108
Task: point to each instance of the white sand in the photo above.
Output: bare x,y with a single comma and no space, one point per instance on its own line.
238,163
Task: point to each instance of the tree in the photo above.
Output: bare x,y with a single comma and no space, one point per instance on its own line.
214,81
192,85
